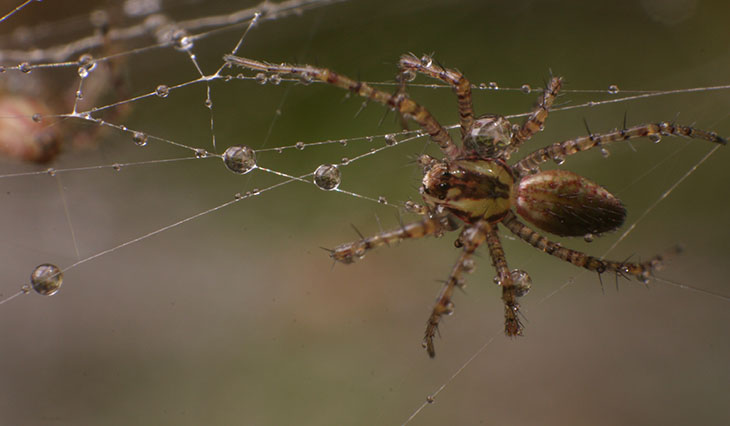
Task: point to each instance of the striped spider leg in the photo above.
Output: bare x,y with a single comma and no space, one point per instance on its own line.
473,184
399,102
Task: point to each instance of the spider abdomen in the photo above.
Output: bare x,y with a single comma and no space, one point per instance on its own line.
567,204
471,188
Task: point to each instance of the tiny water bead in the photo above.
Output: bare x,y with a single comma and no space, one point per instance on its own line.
86,65
526,88
139,138
239,159
275,79
390,139
299,145
37,118
327,177
260,78
656,138
46,279
613,89
162,91
25,67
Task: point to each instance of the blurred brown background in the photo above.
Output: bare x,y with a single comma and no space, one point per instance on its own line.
239,318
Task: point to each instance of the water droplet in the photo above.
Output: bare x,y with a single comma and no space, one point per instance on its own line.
369,139
449,308
162,91
656,137
613,89
521,281
390,139
382,200
482,86
605,153
468,265
408,75
24,67
275,79
306,79
345,160
51,171
589,237
37,117
2,69
182,42
117,167
86,65
260,78
208,103
559,159
239,159
279,149
256,191
493,85
299,145
79,94
343,142
327,177
430,399
238,196
201,153
139,138
46,279
426,60
526,88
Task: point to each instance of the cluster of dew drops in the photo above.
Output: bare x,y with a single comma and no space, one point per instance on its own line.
46,279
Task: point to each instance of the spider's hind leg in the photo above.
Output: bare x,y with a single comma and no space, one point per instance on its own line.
641,271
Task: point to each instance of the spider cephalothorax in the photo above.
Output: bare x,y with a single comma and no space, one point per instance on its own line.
474,184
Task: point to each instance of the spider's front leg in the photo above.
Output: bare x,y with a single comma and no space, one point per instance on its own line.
536,121
434,224
399,102
409,63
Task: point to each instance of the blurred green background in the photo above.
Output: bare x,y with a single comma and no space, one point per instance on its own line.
238,317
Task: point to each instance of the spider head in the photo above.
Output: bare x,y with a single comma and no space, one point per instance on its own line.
488,136
471,188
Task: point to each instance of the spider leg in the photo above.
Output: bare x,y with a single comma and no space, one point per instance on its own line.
559,150
432,225
461,86
642,271
471,238
512,324
399,101
536,121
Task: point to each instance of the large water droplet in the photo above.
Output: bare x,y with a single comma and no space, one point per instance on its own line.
390,139
46,279
327,177
260,78
521,281
426,60
239,159
139,138
162,91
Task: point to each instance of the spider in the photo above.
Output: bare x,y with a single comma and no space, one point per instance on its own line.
474,188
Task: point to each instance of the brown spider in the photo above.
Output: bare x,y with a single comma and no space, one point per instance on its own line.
473,184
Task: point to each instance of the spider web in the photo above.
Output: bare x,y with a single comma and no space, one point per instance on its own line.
185,303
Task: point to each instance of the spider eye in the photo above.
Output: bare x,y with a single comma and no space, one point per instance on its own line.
443,186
